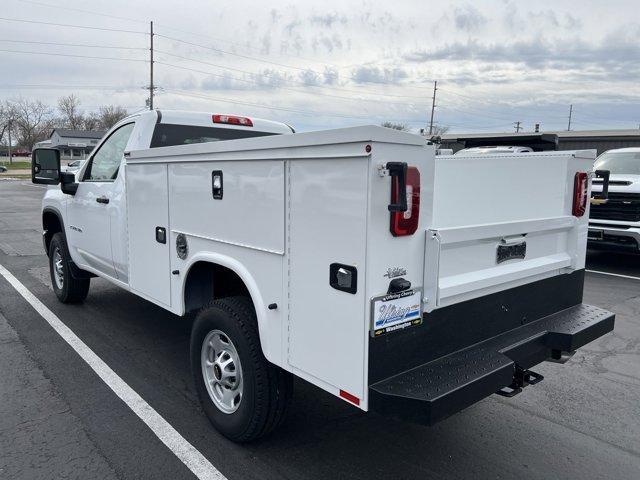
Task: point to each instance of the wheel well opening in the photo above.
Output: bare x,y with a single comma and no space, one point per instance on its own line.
50,226
208,281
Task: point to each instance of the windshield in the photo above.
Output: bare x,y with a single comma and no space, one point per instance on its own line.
619,162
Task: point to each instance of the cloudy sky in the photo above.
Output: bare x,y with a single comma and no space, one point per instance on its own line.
319,64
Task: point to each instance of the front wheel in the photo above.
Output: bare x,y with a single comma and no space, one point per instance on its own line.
67,288
244,396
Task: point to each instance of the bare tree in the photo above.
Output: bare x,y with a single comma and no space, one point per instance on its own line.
395,126
440,129
109,115
7,117
72,117
91,122
33,120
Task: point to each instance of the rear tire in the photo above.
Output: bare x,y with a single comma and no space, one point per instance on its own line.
67,288
247,396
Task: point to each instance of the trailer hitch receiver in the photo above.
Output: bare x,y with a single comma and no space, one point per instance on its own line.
521,378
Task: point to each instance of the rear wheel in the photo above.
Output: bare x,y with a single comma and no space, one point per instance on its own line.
244,396
67,288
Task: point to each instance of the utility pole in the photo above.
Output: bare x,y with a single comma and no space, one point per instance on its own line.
151,87
518,126
570,113
9,132
433,106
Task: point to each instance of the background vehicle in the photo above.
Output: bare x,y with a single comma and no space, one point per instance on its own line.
490,150
3,168
615,224
72,166
354,258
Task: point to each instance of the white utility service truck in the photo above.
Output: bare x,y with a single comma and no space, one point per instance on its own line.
355,259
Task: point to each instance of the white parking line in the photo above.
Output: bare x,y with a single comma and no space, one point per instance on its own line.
613,274
187,453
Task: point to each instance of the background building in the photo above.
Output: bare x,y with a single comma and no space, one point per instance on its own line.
600,140
73,144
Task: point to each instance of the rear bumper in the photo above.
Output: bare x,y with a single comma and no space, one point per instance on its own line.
433,391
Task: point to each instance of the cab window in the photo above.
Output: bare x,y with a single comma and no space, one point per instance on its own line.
106,161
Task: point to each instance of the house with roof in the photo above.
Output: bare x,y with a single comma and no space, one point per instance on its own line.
73,144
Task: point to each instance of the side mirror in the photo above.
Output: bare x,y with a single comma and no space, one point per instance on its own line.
68,183
45,166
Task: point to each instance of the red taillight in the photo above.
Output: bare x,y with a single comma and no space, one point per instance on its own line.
580,190
406,223
232,120
349,397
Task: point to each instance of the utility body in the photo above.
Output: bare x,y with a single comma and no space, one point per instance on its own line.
355,259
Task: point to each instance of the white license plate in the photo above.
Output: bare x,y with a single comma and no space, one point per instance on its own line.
396,311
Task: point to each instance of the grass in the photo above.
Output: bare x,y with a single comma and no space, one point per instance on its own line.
16,165
19,176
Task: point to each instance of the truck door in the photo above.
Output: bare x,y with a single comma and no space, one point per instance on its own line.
90,210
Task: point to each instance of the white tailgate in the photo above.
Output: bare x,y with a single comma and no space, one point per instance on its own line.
486,206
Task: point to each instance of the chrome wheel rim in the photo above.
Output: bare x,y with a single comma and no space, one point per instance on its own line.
222,371
58,269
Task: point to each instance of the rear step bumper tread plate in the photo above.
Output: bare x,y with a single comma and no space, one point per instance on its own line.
442,387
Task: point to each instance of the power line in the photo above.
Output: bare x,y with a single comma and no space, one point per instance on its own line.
238,54
284,109
258,105
229,42
72,44
256,83
264,74
74,56
65,87
129,19
302,69
60,7
71,26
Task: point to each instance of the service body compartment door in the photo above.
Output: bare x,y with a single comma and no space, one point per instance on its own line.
327,225
148,222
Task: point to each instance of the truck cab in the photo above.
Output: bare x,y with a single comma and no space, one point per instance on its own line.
615,224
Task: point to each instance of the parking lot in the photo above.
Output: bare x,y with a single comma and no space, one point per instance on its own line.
58,419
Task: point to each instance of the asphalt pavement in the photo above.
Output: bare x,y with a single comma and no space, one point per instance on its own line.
58,419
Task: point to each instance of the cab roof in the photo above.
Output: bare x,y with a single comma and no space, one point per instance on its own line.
205,119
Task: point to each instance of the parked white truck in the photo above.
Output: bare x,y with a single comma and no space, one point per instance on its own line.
615,224
355,259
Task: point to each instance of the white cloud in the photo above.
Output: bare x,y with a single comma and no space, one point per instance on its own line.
344,62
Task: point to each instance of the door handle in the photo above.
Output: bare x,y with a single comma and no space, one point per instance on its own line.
102,200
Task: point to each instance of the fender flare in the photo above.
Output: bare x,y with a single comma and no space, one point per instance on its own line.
76,272
57,213
252,287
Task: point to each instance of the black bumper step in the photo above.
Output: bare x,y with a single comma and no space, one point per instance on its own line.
442,387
